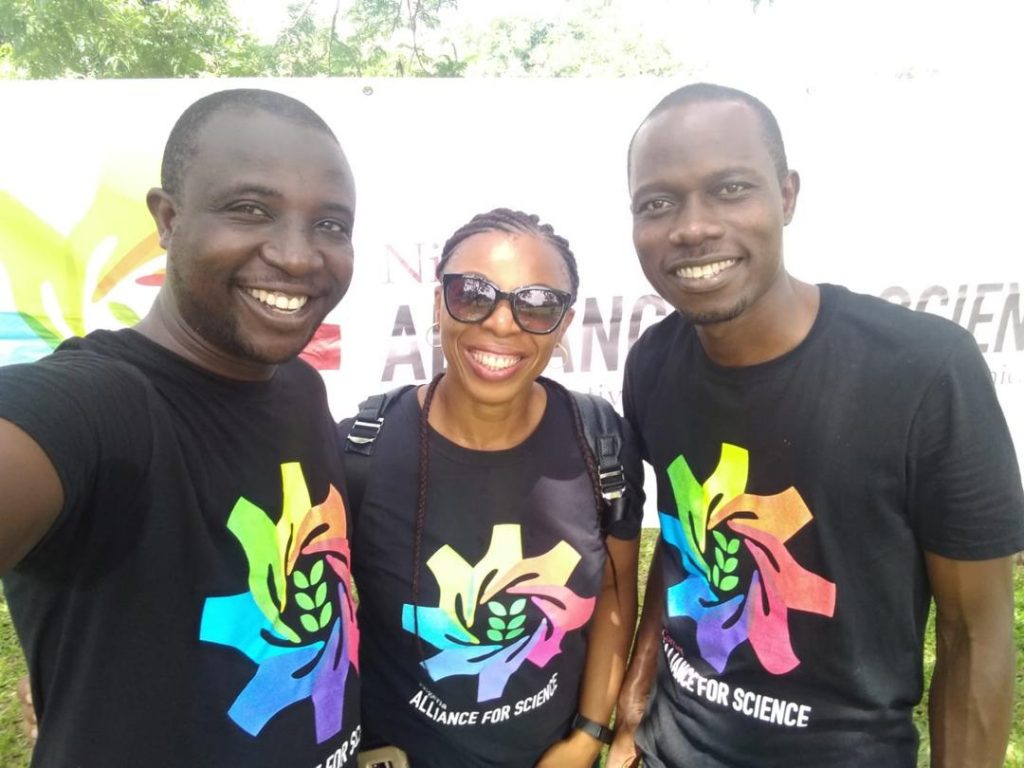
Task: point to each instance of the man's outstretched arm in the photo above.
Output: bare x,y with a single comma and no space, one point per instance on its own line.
643,665
31,491
971,699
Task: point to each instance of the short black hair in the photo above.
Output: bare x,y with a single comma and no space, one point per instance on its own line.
697,93
182,143
513,222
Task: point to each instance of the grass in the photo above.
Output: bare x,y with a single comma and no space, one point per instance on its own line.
14,746
15,749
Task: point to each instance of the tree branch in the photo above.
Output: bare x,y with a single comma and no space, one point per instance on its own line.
299,18
330,40
413,15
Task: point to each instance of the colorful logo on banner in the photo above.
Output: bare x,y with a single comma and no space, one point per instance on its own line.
67,285
493,617
740,580
103,274
297,621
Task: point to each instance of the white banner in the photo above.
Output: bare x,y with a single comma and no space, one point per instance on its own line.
909,192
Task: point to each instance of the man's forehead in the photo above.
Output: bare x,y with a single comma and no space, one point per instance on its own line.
254,126
696,132
699,120
257,143
255,137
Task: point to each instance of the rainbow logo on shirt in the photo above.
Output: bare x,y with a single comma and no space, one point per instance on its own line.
296,623
493,617
740,580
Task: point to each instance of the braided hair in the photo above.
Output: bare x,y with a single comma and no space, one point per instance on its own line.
500,220
512,222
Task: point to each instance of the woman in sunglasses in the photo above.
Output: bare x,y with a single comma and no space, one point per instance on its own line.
496,616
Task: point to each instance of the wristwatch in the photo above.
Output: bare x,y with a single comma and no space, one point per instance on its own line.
602,733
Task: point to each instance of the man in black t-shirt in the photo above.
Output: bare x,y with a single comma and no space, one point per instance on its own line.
173,538
827,463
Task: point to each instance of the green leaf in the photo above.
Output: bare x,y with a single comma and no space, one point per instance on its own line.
734,547
729,583
304,601
517,606
723,542
495,635
517,622
689,497
720,558
300,580
325,615
309,623
123,313
715,575
730,564
321,595
497,608
514,634
316,572
496,623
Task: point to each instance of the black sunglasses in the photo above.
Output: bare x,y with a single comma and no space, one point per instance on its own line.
535,308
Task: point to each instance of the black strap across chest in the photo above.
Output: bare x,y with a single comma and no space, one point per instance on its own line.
601,431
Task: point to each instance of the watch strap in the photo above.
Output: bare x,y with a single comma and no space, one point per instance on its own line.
602,733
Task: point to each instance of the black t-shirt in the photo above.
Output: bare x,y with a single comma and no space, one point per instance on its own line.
796,499
511,563
191,605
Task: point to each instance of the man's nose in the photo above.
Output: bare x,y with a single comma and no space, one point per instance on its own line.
292,250
696,221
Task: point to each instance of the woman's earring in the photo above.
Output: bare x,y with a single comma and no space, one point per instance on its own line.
563,357
433,336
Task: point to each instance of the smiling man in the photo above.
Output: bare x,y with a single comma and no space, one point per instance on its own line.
172,533
826,463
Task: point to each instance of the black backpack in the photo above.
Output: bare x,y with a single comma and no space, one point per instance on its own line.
601,430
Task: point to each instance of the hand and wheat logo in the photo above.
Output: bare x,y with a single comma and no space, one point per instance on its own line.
504,611
740,581
296,622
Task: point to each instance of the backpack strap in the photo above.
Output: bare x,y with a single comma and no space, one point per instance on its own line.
603,432
359,436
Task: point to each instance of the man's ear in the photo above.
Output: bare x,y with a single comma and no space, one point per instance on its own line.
164,211
790,191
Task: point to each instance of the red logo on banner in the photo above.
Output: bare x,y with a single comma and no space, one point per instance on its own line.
324,350
156,279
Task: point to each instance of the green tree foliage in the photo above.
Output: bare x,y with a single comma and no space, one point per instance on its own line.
373,38
379,38
387,38
123,38
594,42
403,38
